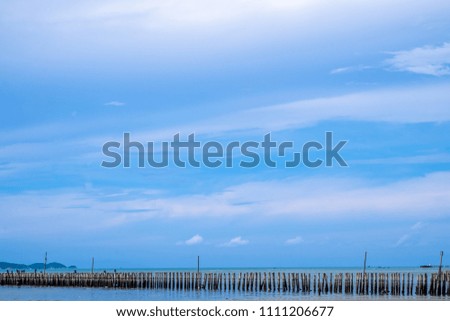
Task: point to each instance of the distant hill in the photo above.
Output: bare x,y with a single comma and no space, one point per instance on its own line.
15,266
54,265
37,266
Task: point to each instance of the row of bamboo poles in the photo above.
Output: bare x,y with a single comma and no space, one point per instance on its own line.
395,284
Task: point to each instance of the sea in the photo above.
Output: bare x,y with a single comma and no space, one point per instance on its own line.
29,293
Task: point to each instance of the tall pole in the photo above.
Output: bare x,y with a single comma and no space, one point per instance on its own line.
365,261
439,273
440,263
198,264
92,265
45,262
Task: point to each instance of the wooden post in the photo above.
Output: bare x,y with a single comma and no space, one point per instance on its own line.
198,263
92,265
45,262
365,261
439,272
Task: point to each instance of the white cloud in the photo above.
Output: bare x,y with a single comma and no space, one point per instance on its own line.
404,105
295,240
428,60
413,231
119,30
188,12
295,198
237,241
163,13
342,70
318,198
196,239
417,226
115,103
107,30
402,240
35,146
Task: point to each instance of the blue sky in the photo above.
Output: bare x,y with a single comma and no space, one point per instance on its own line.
76,74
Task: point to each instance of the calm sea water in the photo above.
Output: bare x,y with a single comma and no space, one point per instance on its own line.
26,293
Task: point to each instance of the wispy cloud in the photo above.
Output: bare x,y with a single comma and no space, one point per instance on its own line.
404,105
398,105
295,240
196,239
402,240
417,226
319,198
162,13
413,230
427,60
296,198
347,69
237,241
115,103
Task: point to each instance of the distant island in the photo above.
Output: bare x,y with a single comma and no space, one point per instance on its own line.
34,266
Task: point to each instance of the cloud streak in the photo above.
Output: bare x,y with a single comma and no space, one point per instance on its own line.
428,60
32,149
407,105
401,105
236,241
294,198
413,230
348,69
295,240
115,103
196,239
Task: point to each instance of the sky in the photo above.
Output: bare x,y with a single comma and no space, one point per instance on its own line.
75,75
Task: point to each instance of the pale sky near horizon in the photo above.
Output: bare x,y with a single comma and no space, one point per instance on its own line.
76,74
